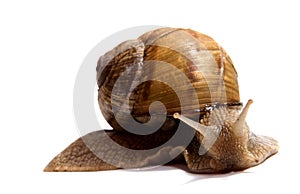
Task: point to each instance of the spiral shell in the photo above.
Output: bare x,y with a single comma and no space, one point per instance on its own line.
205,64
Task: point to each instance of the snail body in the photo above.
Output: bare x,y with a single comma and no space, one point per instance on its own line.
195,80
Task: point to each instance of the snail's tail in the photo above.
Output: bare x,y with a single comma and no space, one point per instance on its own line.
110,150
77,157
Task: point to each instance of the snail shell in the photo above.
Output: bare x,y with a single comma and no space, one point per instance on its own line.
205,64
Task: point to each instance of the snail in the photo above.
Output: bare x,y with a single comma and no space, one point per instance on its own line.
171,96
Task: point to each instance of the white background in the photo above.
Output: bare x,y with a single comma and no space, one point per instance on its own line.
42,45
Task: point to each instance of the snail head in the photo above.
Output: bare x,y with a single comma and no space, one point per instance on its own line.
225,137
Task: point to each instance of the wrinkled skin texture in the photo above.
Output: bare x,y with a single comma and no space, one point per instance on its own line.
228,153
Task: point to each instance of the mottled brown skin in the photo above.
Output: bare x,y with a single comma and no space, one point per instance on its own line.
82,154
234,149
229,153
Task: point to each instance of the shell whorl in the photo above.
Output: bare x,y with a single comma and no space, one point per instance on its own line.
205,64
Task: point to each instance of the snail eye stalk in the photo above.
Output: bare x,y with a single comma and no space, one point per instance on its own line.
238,127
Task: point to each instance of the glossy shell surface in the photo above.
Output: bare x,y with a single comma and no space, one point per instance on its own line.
121,75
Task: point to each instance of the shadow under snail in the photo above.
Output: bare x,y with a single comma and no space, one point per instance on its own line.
195,80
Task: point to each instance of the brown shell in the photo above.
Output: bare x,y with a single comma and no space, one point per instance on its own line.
207,67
